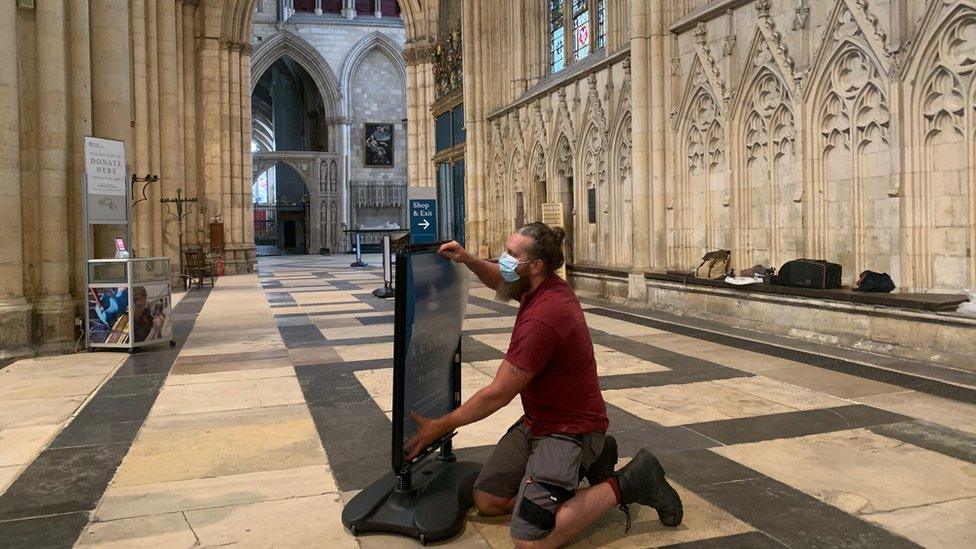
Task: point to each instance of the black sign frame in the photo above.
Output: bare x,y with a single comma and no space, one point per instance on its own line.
400,464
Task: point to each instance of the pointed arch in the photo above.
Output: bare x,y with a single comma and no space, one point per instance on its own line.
288,43
622,190
943,104
375,40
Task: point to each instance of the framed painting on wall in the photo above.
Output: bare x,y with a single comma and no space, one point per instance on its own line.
378,145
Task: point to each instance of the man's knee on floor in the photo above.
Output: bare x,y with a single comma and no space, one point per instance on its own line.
491,505
526,544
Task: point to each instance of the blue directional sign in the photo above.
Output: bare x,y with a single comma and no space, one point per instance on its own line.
423,220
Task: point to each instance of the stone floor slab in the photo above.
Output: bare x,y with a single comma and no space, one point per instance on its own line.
304,522
169,530
189,446
950,413
946,524
187,495
20,445
227,395
37,411
859,471
369,351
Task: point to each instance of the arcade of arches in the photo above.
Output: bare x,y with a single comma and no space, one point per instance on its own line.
777,129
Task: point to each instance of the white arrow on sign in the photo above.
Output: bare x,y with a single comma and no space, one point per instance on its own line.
425,224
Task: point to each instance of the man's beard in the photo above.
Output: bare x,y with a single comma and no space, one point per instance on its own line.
508,291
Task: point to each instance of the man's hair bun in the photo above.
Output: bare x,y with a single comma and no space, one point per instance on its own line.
558,234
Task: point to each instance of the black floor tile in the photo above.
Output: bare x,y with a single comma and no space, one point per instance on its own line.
117,409
931,436
56,531
132,385
673,377
372,320
794,424
748,540
62,481
301,336
86,432
473,350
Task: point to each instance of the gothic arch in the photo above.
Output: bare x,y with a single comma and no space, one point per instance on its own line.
943,101
700,157
308,57
764,207
622,191
849,146
538,191
374,40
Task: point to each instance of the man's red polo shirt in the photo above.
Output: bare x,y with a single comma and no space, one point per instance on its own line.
551,339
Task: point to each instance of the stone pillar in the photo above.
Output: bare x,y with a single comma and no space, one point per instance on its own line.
658,75
54,323
79,36
640,133
345,146
348,9
209,127
190,158
226,204
318,7
14,310
247,211
169,137
142,213
155,191
377,9
233,222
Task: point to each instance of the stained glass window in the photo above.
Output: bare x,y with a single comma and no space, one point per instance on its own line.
557,36
571,28
601,24
581,29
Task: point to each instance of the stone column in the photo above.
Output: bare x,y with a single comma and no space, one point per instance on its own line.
226,204
318,7
190,158
142,213
233,228
14,310
348,9
640,133
248,209
169,174
209,127
79,36
377,9
155,138
658,126
54,323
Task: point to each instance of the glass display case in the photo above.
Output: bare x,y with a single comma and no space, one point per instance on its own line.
129,303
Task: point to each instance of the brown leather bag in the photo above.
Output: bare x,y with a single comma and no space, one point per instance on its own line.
714,265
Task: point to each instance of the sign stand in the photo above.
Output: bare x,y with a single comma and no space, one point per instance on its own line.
387,290
359,253
426,499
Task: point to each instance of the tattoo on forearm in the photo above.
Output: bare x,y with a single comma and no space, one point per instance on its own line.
514,370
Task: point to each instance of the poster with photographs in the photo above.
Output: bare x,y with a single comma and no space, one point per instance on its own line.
378,145
150,315
108,315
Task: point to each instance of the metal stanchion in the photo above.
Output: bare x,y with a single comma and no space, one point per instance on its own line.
359,253
387,289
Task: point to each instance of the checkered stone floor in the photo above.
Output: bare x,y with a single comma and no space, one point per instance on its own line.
273,410
765,451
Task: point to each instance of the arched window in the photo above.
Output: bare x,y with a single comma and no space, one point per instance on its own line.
576,29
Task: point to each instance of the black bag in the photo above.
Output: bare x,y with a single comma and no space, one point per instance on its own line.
870,281
810,273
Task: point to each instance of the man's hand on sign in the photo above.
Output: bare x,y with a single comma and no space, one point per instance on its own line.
453,251
429,431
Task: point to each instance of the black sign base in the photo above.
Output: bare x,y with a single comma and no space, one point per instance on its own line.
384,292
431,508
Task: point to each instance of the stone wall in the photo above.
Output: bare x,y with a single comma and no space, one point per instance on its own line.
835,129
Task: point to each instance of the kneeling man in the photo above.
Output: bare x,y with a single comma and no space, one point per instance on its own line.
536,468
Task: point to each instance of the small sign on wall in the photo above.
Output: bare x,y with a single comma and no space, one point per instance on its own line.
105,166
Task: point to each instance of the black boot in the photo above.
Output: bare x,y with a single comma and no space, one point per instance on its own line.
603,467
642,481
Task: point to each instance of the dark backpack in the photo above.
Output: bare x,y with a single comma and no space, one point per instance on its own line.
870,281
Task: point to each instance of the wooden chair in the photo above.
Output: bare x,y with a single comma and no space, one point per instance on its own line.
197,268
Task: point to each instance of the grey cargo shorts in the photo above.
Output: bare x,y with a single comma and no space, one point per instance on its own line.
543,472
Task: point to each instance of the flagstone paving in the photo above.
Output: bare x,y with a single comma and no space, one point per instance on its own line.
274,410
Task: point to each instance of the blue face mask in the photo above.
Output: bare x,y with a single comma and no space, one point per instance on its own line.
507,265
